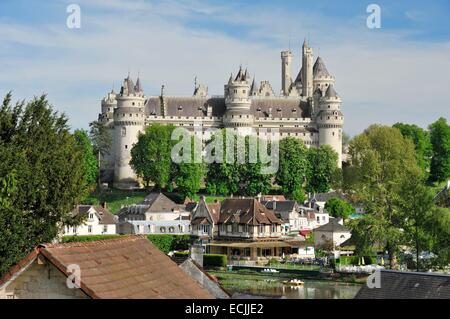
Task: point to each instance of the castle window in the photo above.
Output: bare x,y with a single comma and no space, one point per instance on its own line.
333,133
126,147
124,131
133,103
131,115
243,91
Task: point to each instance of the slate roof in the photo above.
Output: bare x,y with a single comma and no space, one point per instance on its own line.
323,197
319,68
127,267
158,202
408,285
198,107
104,215
246,211
331,92
332,226
281,206
205,213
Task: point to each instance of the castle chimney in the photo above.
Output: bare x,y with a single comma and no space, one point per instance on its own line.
196,254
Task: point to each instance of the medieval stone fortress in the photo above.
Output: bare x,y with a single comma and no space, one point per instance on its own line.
307,108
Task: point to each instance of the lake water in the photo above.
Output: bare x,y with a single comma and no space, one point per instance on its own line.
310,290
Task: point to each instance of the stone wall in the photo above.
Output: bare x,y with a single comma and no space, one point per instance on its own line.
40,281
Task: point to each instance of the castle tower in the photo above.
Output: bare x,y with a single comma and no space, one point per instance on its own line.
330,121
321,77
286,76
109,103
237,100
307,70
129,120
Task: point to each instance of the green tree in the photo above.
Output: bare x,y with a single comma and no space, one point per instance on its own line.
381,161
438,228
339,208
101,141
242,174
151,155
42,173
293,165
322,169
90,162
189,175
421,140
345,140
440,141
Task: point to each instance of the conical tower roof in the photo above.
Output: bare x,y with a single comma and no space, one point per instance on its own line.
138,86
331,92
319,68
254,88
299,78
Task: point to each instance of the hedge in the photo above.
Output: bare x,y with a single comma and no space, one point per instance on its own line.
167,242
354,260
214,260
83,238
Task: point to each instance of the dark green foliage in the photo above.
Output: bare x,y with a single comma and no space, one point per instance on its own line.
42,173
100,137
167,243
151,155
356,260
294,166
322,169
242,175
214,260
440,141
84,238
339,208
90,162
421,140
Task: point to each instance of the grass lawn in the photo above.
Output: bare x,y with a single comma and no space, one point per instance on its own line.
116,198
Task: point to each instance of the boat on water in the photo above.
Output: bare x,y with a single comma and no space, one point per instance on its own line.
270,270
294,282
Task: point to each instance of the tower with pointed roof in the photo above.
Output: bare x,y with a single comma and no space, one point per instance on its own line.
307,70
321,77
129,120
109,103
330,121
238,113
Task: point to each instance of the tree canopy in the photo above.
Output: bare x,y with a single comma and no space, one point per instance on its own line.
421,140
339,208
151,155
322,169
440,141
42,176
90,162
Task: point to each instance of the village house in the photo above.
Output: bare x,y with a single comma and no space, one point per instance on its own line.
289,212
204,220
331,234
157,214
95,220
311,218
126,267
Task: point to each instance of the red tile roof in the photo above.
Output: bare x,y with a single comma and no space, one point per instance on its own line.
126,267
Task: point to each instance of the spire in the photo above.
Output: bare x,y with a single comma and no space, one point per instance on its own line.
299,78
254,88
138,87
331,93
319,68
230,81
239,75
305,43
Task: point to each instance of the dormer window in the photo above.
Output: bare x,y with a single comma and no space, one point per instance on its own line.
180,108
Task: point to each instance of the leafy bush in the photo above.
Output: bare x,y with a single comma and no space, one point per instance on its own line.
355,260
167,242
83,238
214,260
181,254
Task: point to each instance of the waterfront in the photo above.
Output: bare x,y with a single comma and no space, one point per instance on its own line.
272,285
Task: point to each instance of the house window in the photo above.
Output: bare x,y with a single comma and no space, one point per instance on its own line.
274,228
89,229
91,216
171,230
261,229
318,219
105,228
162,229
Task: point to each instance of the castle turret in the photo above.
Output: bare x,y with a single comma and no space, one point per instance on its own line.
129,120
321,77
109,103
307,70
286,76
330,121
237,100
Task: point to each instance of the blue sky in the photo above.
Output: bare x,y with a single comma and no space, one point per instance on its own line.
396,73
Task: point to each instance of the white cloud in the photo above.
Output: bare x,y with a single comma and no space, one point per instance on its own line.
381,77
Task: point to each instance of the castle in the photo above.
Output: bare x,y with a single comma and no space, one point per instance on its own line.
307,108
